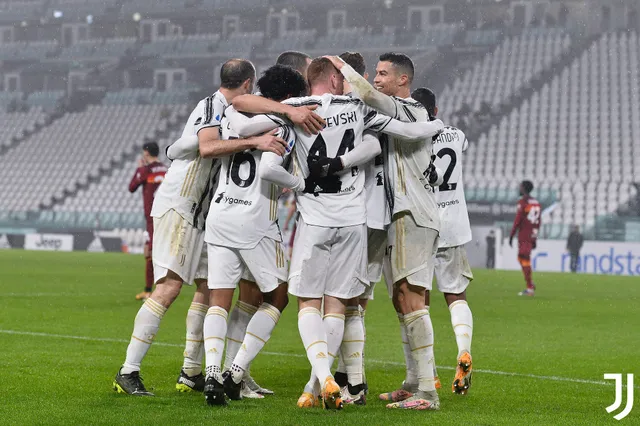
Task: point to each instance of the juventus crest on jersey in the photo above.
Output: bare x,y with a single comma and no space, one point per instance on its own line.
455,229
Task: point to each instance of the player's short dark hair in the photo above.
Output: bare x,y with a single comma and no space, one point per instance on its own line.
427,98
234,72
152,148
280,82
319,68
400,61
293,59
527,185
356,60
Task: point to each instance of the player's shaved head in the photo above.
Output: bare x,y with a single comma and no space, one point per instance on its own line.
281,82
355,60
297,60
235,72
320,70
427,98
401,63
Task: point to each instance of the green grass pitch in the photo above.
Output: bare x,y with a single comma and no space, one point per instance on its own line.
65,320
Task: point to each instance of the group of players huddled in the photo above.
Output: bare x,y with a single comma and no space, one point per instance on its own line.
378,184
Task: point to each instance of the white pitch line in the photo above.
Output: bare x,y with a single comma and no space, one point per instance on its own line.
375,361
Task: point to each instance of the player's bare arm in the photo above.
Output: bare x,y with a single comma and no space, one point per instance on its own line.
211,146
303,117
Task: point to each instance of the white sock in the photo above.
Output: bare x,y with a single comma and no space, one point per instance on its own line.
411,377
341,367
334,327
462,322
215,330
364,329
145,328
238,322
353,345
435,369
258,333
314,339
420,334
193,352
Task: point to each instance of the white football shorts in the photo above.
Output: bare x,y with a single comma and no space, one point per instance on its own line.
376,247
410,252
266,264
178,247
452,270
329,261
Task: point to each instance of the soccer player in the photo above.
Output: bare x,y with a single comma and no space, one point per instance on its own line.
250,298
149,174
329,254
242,236
526,224
377,218
297,60
179,211
452,270
413,234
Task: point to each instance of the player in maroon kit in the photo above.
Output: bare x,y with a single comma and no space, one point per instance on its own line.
526,224
149,174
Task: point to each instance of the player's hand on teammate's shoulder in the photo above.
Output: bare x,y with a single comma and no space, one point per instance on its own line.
323,166
269,142
305,118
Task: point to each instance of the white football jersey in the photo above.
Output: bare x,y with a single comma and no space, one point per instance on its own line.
346,119
377,210
189,183
405,165
245,206
455,229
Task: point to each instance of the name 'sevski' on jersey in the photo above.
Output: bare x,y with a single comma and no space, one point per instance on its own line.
245,206
189,182
455,229
347,118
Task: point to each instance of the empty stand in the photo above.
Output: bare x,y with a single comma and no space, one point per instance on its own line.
74,149
504,71
111,192
574,136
